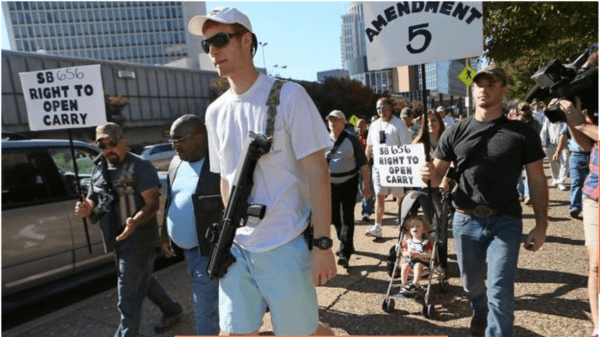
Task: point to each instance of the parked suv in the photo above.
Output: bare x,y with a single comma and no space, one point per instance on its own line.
42,238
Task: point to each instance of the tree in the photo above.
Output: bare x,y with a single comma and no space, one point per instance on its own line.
522,37
349,96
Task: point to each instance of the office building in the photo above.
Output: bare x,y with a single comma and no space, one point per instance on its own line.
146,32
336,73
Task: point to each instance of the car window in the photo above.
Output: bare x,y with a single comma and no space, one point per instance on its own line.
165,148
23,179
84,158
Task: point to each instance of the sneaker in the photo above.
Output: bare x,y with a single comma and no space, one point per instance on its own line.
365,218
343,261
409,288
527,201
574,213
478,326
166,322
562,187
374,231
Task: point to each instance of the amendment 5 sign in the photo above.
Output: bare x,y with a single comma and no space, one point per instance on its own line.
419,32
64,98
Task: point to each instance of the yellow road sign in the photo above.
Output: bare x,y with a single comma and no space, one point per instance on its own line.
466,75
354,120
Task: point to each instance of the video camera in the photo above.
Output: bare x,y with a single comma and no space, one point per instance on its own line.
570,80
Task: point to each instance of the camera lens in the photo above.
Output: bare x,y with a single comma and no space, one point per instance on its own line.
382,137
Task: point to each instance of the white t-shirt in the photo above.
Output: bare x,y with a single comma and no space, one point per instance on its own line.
279,181
396,133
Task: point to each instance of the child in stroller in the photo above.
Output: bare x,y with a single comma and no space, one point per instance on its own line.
426,232
416,250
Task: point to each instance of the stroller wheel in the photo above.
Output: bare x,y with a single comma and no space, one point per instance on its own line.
388,305
444,286
428,311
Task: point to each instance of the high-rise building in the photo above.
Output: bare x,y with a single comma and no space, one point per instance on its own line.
352,41
147,32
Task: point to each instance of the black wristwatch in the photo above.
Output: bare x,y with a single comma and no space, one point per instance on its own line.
323,243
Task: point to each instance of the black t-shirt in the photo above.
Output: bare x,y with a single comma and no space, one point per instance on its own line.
489,157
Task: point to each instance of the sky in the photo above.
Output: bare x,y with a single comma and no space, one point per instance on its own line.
288,29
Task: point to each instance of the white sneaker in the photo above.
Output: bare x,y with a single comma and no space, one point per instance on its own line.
374,231
562,187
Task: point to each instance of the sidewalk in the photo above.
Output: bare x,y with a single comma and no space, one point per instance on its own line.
551,292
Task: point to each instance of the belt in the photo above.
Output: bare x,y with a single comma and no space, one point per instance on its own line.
345,174
479,211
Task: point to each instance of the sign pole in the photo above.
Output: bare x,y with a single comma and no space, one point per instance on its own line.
426,140
81,197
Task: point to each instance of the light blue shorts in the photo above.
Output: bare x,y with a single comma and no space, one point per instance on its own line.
280,279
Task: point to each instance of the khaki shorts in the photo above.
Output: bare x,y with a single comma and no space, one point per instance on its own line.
397,192
590,221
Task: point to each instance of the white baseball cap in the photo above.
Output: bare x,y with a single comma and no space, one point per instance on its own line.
336,114
440,109
227,15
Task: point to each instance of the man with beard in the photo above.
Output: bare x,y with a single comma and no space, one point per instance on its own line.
124,196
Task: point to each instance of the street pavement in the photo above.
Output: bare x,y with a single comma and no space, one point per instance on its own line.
551,293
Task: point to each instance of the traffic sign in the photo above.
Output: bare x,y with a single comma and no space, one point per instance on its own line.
466,75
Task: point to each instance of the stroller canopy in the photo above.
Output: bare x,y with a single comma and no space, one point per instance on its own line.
410,204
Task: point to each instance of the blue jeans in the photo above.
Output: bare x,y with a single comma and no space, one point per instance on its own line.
205,293
523,186
136,263
368,205
498,239
579,169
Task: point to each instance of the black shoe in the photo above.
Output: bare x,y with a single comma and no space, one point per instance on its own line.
166,322
478,326
365,218
343,261
574,213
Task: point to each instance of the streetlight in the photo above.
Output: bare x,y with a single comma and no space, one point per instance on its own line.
263,44
280,67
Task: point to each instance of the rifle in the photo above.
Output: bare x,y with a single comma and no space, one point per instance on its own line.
238,210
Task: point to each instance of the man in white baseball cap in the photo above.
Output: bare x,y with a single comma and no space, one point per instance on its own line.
228,16
448,120
273,267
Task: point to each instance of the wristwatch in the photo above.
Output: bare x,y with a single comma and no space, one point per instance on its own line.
323,243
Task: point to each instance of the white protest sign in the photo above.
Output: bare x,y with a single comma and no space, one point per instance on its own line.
64,98
419,32
399,165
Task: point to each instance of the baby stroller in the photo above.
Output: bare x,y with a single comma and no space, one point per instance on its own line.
431,210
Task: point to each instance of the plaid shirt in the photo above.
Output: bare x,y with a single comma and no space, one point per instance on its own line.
590,187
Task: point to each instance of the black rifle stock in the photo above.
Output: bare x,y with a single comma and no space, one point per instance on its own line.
237,211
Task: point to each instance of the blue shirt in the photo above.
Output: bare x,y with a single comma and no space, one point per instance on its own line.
181,222
572,145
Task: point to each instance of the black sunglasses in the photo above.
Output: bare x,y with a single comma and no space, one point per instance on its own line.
108,145
218,40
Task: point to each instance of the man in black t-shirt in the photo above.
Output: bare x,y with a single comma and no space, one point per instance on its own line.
489,152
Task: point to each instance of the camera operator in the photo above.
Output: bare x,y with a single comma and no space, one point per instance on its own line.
584,129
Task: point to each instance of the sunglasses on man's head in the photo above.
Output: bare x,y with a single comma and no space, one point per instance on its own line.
108,145
218,40
381,107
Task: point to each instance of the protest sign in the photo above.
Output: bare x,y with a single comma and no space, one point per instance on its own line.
64,98
419,32
399,165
